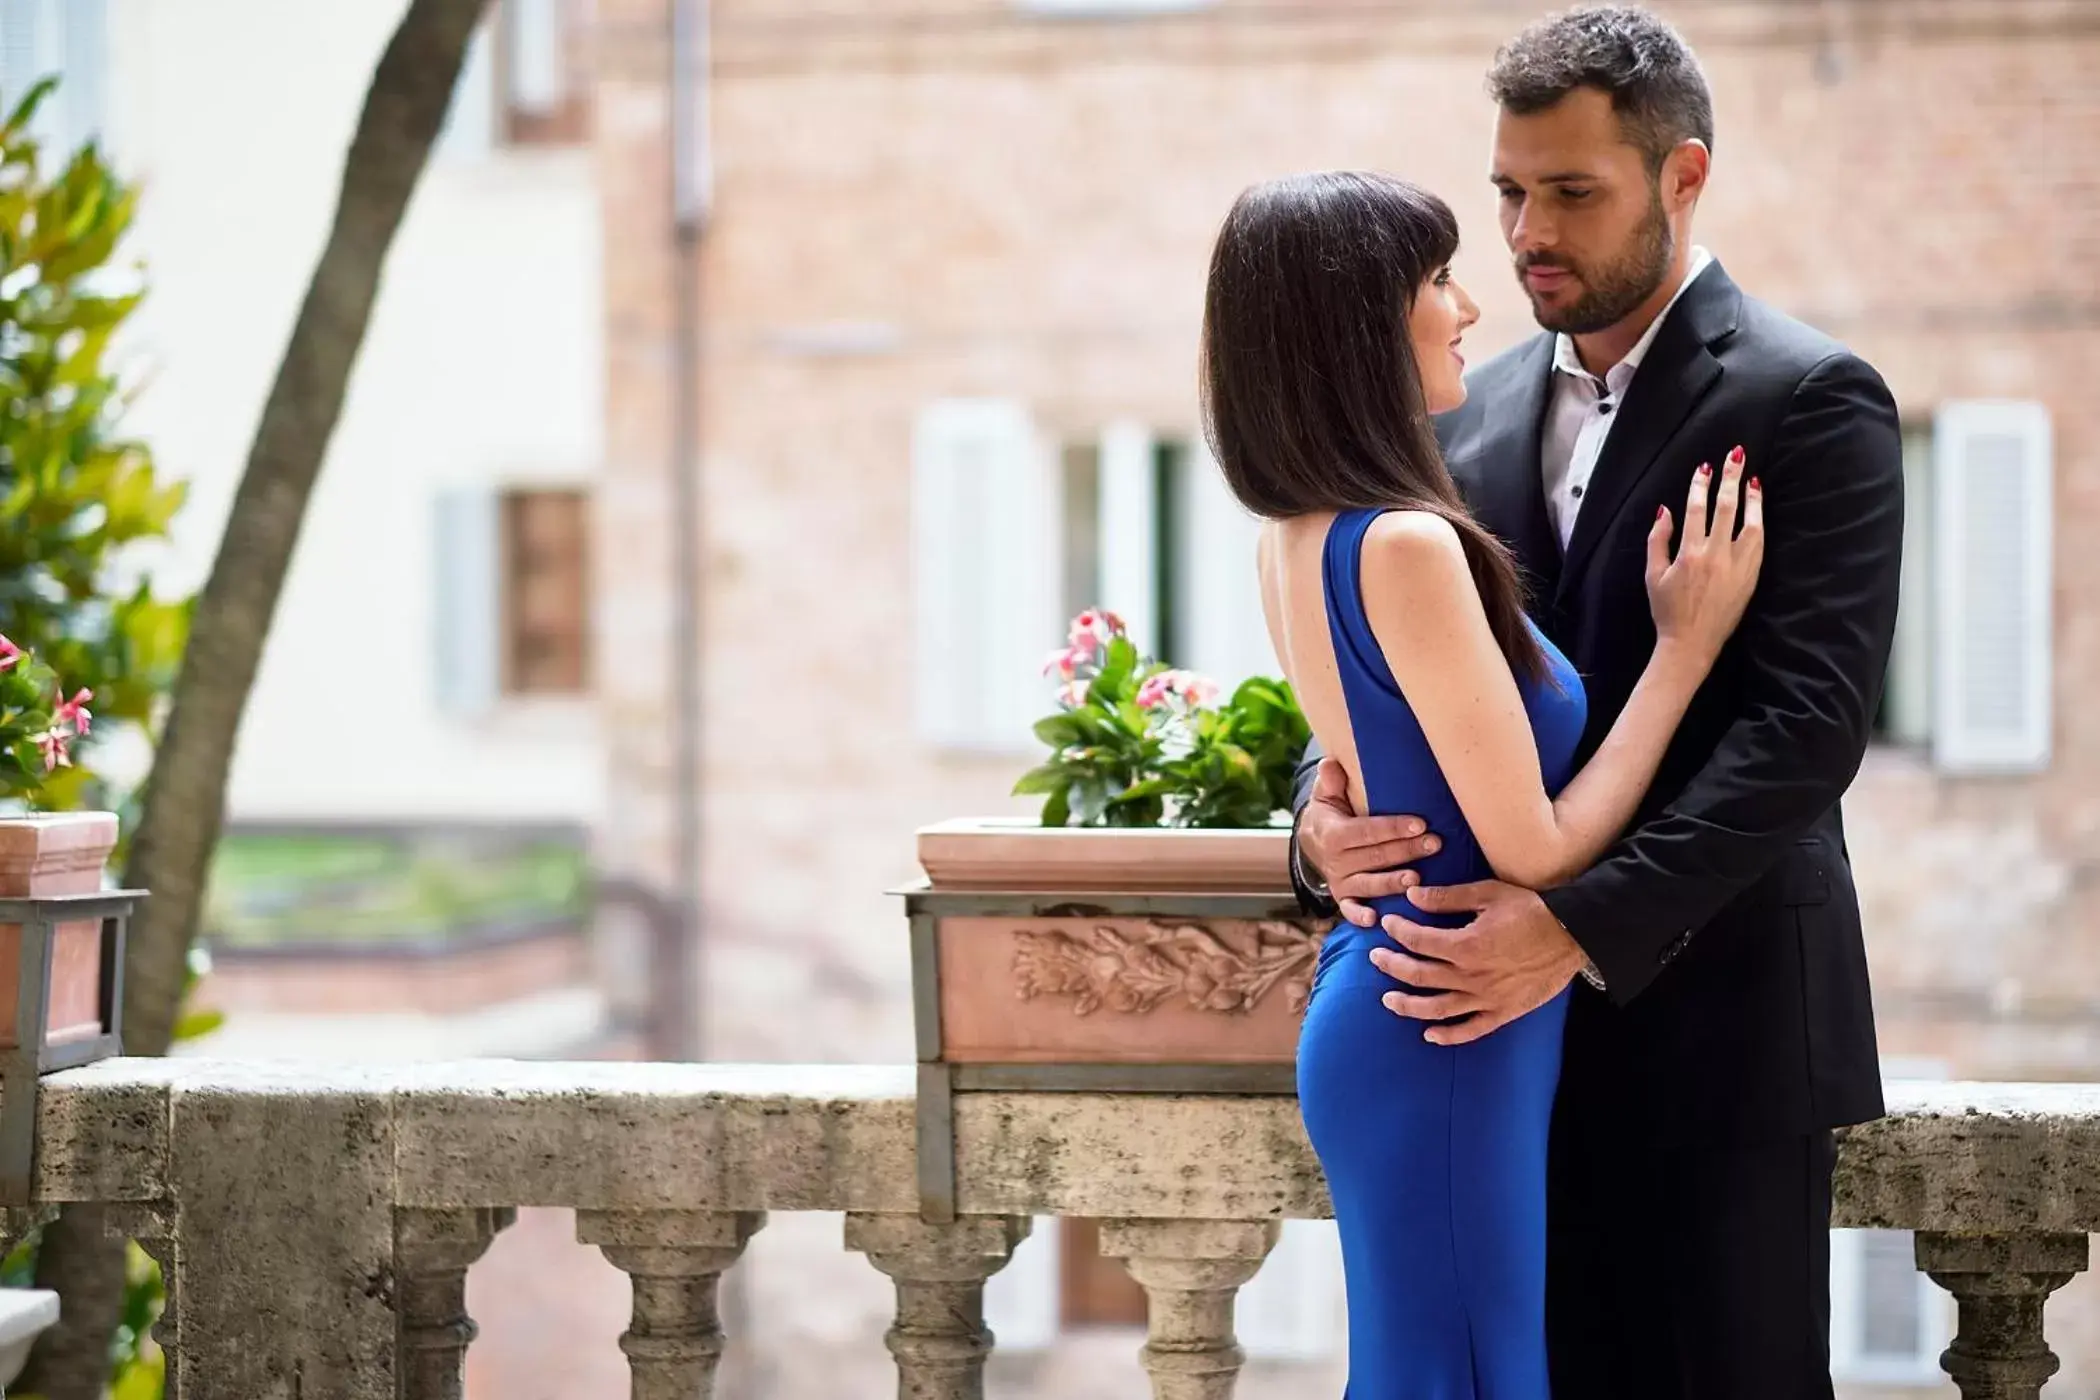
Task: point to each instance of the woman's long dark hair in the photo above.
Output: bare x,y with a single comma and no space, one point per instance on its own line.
1312,398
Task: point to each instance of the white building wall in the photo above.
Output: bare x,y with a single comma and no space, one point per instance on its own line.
482,368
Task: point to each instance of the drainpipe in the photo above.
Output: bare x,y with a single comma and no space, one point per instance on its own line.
685,1037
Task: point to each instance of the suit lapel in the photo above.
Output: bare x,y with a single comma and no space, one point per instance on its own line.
1678,371
1496,463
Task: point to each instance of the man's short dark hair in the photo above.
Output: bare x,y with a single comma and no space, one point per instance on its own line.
1651,75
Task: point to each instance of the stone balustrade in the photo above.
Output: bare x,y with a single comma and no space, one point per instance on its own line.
317,1224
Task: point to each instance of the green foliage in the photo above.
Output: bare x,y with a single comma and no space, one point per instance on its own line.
75,493
1136,743
1106,752
1238,770
27,730
76,496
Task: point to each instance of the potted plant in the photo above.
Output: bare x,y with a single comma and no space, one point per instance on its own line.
48,853
1150,784
1140,935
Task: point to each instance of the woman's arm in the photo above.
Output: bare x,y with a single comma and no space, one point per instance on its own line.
1425,611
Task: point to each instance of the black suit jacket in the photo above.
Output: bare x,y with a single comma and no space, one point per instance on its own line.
1725,924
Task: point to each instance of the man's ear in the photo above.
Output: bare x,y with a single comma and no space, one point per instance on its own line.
1684,174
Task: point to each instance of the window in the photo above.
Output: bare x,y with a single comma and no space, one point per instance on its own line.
545,568
1888,1322
64,37
984,545
1906,699
511,585
1151,532
1969,674
1012,536
523,82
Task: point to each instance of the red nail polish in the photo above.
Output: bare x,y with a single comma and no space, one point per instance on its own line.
1662,512
1706,469
1735,455
1754,486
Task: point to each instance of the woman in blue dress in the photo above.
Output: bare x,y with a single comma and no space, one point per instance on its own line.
1331,335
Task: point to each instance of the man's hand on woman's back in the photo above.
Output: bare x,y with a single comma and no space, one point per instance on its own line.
1360,858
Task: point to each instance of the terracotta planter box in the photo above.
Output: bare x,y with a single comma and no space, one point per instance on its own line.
61,968
1130,961
41,856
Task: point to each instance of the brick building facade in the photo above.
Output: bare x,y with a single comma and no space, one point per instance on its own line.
1013,201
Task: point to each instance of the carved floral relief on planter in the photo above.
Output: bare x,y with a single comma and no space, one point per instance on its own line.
1021,989
1135,967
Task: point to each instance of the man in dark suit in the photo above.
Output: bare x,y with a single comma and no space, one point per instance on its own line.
1724,1025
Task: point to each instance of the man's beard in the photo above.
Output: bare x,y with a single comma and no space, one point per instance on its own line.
1611,292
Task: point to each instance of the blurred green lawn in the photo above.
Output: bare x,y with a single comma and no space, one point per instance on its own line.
280,888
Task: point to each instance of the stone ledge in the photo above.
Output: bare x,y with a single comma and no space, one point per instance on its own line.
1967,1158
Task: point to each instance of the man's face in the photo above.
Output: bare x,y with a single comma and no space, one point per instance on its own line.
1583,218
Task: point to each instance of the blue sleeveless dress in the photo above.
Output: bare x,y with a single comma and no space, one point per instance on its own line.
1435,1155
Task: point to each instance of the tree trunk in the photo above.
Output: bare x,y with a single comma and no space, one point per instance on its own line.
185,797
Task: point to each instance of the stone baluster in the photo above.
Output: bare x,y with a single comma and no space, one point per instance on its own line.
1190,1271
154,1229
433,1249
2000,1283
939,1338
675,1259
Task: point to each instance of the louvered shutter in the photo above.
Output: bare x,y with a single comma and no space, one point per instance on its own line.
1128,531
1992,548
467,626
469,130
984,533
1224,635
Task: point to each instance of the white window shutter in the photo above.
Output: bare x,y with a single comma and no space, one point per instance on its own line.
470,122
538,82
467,616
984,523
1292,1310
1992,548
31,48
1907,701
1129,531
1218,587
18,70
1888,1322
84,39
1021,1301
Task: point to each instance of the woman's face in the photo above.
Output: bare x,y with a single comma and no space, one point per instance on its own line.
1441,315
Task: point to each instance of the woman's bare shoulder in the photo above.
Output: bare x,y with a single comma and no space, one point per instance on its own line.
1417,544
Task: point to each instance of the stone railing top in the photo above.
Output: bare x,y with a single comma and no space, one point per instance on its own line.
619,1136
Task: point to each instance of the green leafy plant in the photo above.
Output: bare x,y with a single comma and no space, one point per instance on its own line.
1138,743
76,497
75,493
38,724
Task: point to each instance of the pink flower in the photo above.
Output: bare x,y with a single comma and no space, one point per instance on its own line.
1181,688
53,742
73,712
1072,694
1093,629
1059,661
9,654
